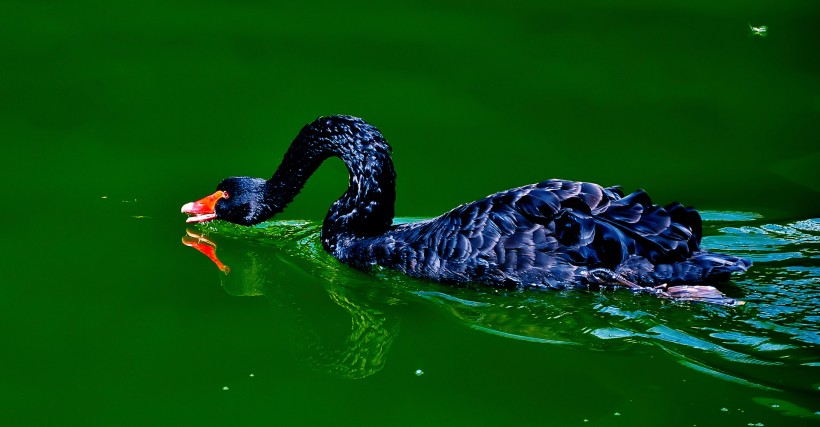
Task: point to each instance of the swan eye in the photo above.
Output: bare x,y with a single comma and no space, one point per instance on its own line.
225,195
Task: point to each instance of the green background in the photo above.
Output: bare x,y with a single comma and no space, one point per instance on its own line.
114,114
678,99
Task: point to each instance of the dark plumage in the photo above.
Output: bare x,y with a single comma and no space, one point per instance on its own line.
552,234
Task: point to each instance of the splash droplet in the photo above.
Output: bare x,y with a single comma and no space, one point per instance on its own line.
225,388
419,372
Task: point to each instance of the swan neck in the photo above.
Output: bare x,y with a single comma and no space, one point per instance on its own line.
367,206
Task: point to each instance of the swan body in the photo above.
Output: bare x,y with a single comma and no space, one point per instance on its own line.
552,234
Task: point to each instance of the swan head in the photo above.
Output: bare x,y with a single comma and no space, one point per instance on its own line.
240,200
365,152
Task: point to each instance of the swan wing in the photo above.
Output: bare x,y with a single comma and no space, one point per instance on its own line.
541,233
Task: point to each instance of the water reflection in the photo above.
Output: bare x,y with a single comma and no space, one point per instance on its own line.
205,246
770,343
270,268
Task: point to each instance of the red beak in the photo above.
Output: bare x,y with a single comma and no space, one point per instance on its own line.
203,209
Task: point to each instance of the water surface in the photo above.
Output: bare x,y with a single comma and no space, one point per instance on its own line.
114,114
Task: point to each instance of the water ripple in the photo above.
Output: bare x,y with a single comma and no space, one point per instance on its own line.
766,343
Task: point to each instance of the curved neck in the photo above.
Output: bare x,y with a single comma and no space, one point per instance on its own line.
367,207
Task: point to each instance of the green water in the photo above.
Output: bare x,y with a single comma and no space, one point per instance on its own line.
114,114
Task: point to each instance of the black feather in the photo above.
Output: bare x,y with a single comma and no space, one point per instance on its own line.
548,234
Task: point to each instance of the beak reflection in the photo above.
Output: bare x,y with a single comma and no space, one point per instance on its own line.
204,246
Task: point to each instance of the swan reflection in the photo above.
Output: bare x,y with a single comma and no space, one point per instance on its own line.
260,270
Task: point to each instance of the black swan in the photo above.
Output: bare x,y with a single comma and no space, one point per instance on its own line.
554,234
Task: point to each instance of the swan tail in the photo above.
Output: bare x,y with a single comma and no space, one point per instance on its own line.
686,280
701,267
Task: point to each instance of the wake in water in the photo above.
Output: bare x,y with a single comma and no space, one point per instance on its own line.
772,342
